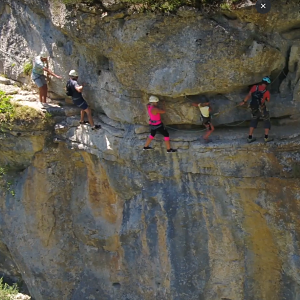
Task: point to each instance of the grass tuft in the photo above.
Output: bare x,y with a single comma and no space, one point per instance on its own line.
7,291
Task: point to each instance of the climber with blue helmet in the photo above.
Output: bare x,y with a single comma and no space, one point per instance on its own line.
259,96
40,65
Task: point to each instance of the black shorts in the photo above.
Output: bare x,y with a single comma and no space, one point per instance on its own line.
258,114
81,103
206,122
159,128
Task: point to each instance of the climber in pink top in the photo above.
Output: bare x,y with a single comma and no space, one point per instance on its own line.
156,124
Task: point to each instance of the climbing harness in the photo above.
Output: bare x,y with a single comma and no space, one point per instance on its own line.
154,120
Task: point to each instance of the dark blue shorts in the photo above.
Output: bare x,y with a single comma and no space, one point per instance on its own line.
260,114
81,103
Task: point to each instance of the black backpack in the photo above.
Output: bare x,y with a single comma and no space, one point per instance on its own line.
69,91
257,97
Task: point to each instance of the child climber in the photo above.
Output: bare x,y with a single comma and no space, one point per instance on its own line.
156,124
205,114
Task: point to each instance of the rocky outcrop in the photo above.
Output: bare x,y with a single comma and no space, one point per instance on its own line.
89,215
95,217
127,57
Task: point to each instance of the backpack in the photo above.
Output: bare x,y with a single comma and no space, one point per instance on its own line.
257,97
69,91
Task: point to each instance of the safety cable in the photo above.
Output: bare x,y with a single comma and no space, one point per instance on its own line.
215,115
185,130
233,125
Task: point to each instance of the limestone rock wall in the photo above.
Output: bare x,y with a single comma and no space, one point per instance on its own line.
125,58
94,217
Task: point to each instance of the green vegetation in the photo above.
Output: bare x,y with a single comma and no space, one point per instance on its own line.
10,190
27,68
7,186
72,2
157,5
163,6
2,171
6,291
13,112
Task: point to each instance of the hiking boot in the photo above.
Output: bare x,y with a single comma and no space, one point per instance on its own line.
171,150
268,139
147,148
84,122
251,140
96,127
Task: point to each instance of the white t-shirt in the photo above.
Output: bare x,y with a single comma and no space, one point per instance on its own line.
204,110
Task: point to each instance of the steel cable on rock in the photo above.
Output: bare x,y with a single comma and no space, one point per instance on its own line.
215,115
185,130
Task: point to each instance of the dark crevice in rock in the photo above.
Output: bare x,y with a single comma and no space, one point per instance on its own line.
103,63
116,285
282,75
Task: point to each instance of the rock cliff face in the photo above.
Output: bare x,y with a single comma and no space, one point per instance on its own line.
94,217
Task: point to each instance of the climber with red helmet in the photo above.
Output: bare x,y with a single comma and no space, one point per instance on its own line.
259,96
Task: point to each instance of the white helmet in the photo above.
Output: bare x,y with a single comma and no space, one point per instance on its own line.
44,54
153,99
73,73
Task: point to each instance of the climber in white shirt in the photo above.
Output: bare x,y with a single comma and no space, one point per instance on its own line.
206,120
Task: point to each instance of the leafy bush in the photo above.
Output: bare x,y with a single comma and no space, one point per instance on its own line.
6,107
27,68
11,112
6,291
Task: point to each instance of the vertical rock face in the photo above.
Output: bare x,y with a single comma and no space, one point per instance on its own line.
124,58
110,222
93,217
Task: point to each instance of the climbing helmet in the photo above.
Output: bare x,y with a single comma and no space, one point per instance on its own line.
267,79
73,73
153,99
44,54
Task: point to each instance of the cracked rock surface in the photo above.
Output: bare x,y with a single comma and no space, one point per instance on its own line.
89,215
